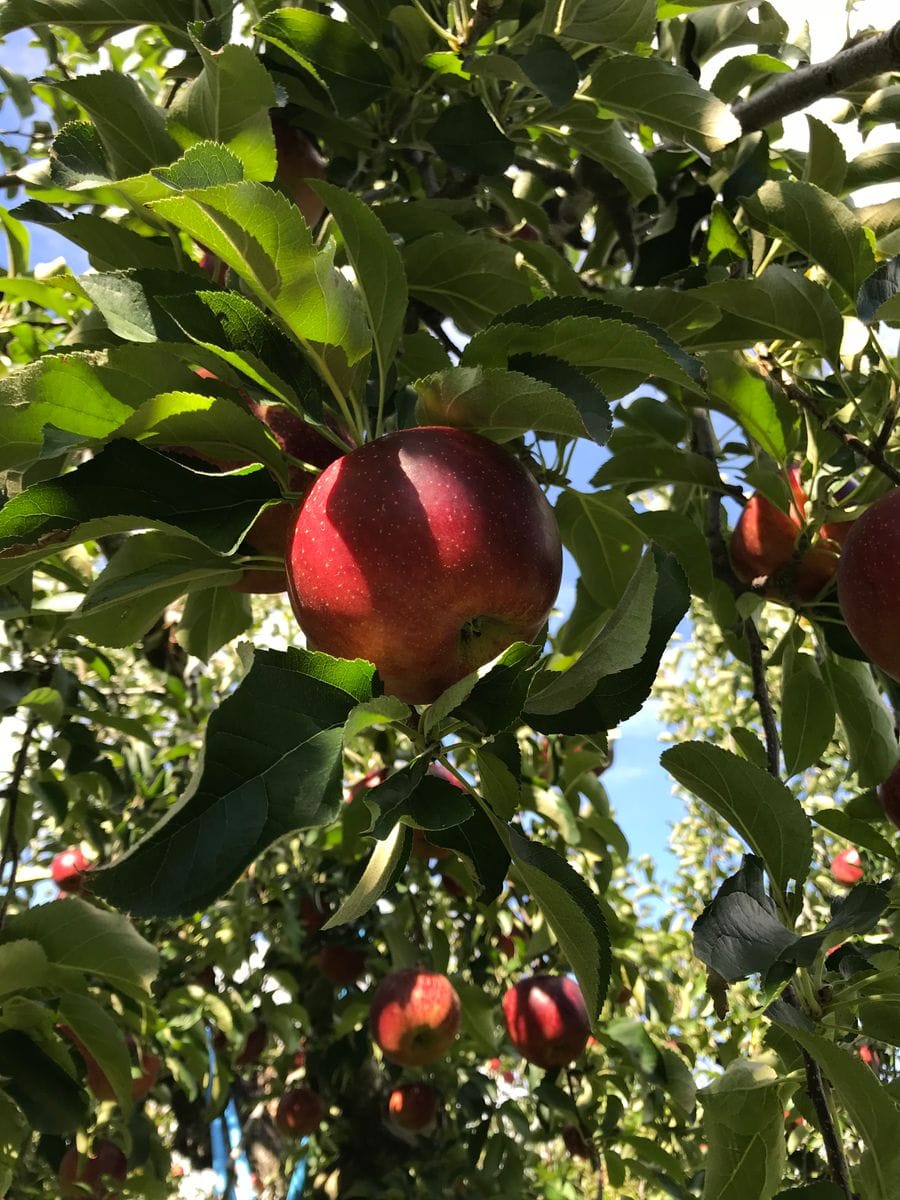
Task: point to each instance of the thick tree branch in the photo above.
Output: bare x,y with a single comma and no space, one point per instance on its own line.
11,794
791,93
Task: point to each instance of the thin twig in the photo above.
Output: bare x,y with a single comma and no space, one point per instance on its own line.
869,57
11,794
486,12
763,699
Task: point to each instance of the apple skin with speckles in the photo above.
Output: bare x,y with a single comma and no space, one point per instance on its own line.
547,1020
426,552
414,1016
869,582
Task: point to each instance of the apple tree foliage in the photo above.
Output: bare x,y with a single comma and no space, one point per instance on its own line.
540,226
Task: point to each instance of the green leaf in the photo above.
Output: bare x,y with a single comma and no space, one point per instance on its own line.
878,164
478,841
103,1039
881,287
665,97
816,223
13,1132
572,912
748,397
17,239
49,1097
739,934
600,531
743,1120
466,136
592,405
500,404
143,577
497,699
205,164
634,468
868,725
127,300
607,143
333,52
88,14
826,162
499,785
78,935
261,235
760,808
138,487
871,1109
23,965
617,646
380,710
131,129
110,244
858,833
377,266
680,537
271,764
551,69
470,278
610,22
807,720
229,102
211,619
388,860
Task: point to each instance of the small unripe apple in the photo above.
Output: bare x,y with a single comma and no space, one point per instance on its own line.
846,867
413,1107
298,160
426,552
84,1177
342,965
574,1142
869,582
889,795
254,1045
300,1112
547,1020
414,1016
68,870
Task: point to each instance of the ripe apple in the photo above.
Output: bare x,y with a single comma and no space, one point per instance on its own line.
298,160
547,1020
869,1056
300,1112
426,552
371,780
311,915
846,867
413,1107
889,795
68,869
869,582
414,1016
574,1142
83,1177
342,965
254,1045
97,1081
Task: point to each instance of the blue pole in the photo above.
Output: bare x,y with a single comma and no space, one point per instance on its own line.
298,1179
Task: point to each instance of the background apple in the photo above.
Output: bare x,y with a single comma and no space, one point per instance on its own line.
413,1106
426,552
846,867
574,1142
342,965
254,1045
889,795
81,1176
300,1112
869,582
68,869
414,1016
547,1020
298,160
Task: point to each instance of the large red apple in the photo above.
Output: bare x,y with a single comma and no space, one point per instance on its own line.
413,1107
83,1177
342,965
298,160
300,1112
869,582
426,552
889,795
414,1016
547,1020
68,869
846,867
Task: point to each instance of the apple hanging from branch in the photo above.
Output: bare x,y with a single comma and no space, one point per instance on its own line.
869,582
547,1020
414,1016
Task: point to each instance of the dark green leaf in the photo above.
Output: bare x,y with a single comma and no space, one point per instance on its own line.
592,405
500,404
50,1099
739,934
466,137
807,720
743,1117
211,619
552,71
880,286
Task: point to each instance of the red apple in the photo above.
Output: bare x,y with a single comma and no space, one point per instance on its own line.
452,888
214,267
298,160
846,867
574,1142
83,1177
300,1112
869,1056
413,1107
342,965
254,1045
426,552
506,945
97,1080
547,1020
889,795
371,780
869,582
68,870
414,1016
424,849
311,914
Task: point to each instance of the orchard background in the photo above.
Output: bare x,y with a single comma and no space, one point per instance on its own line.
612,238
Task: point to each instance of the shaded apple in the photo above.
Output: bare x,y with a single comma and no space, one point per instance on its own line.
574,1142
426,552
869,582
298,160
414,1016
84,1176
149,1066
547,1020
311,914
846,867
300,1112
413,1107
342,965
254,1045
372,780
889,795
68,870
